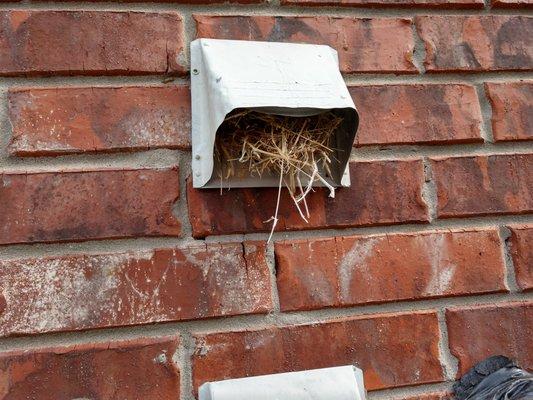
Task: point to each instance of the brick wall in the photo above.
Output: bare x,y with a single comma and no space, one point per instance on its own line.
118,280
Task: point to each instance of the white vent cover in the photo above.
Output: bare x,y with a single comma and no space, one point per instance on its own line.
276,78
337,383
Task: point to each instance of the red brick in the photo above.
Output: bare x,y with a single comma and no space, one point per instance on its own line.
364,44
484,185
521,248
512,110
134,369
512,3
476,43
417,114
90,42
62,206
48,121
382,192
77,120
104,290
350,270
392,350
479,332
388,3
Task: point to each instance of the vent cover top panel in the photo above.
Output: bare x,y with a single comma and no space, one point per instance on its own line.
275,78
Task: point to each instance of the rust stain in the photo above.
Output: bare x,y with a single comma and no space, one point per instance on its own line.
17,18
372,378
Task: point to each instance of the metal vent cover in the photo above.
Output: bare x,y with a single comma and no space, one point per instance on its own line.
276,78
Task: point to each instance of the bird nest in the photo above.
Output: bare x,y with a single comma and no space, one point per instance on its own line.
298,150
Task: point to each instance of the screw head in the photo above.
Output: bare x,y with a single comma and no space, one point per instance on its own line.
195,71
197,157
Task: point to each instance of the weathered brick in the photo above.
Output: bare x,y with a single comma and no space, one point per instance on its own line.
479,332
344,271
62,206
512,110
74,120
484,185
409,114
382,192
77,120
89,42
388,3
521,248
364,45
476,43
133,369
95,291
511,3
405,352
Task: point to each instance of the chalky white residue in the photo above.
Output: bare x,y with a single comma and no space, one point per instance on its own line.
355,260
435,248
51,294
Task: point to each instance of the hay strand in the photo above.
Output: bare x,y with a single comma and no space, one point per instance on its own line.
294,148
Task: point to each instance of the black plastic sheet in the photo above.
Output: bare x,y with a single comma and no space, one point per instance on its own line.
496,378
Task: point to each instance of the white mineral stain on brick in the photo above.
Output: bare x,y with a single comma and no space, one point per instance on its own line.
158,129
55,294
236,288
435,248
104,290
21,143
192,254
259,340
51,145
355,260
321,288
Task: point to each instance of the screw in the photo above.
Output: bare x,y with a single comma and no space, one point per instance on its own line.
197,157
195,72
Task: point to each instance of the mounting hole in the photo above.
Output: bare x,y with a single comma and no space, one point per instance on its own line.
195,71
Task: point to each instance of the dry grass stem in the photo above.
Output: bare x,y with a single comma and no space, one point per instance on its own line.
294,148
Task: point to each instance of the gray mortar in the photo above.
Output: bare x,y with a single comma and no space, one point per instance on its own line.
429,191
449,362
486,113
131,244
419,51
510,275
374,153
180,208
5,126
186,350
271,262
267,8
255,322
402,393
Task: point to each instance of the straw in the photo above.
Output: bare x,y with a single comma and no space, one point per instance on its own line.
294,148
